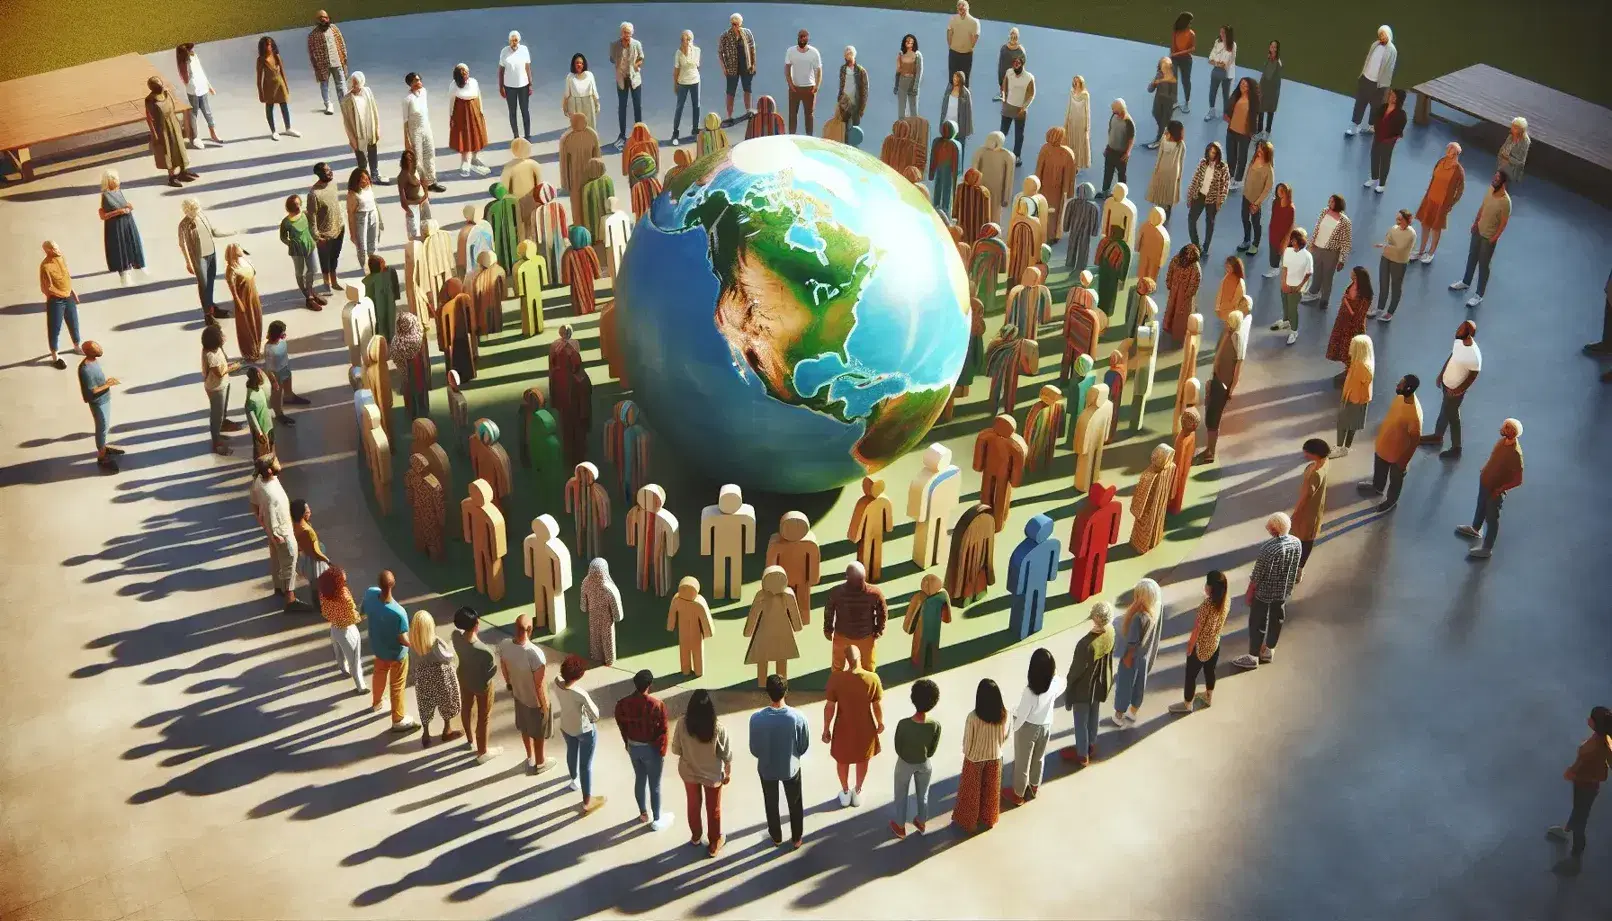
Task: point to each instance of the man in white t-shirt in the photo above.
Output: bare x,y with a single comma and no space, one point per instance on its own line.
523,666
515,83
1459,373
803,71
1297,267
1018,91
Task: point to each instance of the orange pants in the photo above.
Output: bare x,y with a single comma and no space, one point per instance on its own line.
842,643
390,677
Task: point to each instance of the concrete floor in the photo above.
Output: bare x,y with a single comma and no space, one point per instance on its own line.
174,748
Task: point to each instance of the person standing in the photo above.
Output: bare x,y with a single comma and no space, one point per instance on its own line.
327,52
277,362
1587,772
436,686
417,137
1031,726
1390,127
1514,150
1459,373
1259,180
1356,398
61,301
361,119
1270,90
96,389
1500,474
1396,247
197,89
1163,87
1018,91
686,84
1117,146
1281,227
1211,183
259,421
1222,68
853,96
1011,50
803,73
854,617
1376,75
388,633
962,34
779,737
909,75
1330,243
1091,677
1183,44
979,788
467,127
1493,215
311,556
363,217
1164,186
478,666
339,610
166,134
1604,346
1311,507
853,720
1353,309
581,95
737,50
916,739
1203,644
1077,122
1242,119
198,244
515,84
298,240
1397,436
273,509
627,58
641,717
1270,585
216,369
521,663
272,89
1443,191
578,718
1138,641
705,765
327,219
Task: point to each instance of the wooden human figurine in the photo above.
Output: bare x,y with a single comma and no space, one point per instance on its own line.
378,455
974,357
1081,219
548,565
1095,529
1191,342
483,526
437,255
1144,360
580,268
653,531
1150,499
1029,303
795,548
423,444
1152,245
640,143
1055,167
1223,379
918,130
588,504
774,619
999,457
241,279
597,190
378,379
1010,355
489,461
458,412
986,261
610,342
727,535
765,121
1031,568
382,288
357,323
602,609
1140,303
929,607
627,445
1042,426
963,249
521,176
503,216
1031,189
915,176
871,519
426,499
899,150
971,568
411,354
1113,262
971,207
1119,212
570,395
690,618
681,160
1186,442
473,238
646,184
1083,324
617,231
931,496
579,146
552,221
1114,380
456,331
945,159
995,164
1091,436
712,137
1186,399
539,447
1024,238
1079,388
420,297
531,277
487,292
1181,281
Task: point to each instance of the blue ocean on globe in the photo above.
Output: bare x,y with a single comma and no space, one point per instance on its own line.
793,314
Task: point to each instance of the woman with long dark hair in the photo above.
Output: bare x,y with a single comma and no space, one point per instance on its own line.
1164,186
979,789
1260,179
1270,89
1203,645
581,95
216,369
1032,724
1587,772
1351,319
1211,183
1183,42
271,87
197,89
705,764
1281,224
1390,128
909,73
1242,118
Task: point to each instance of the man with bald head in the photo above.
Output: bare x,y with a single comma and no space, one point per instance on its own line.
1459,373
854,617
522,664
388,635
515,84
1501,474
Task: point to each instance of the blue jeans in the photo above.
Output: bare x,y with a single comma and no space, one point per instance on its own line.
646,764
1130,684
1219,81
1085,726
102,414
203,105
579,758
57,311
1478,254
688,92
206,275
1487,516
336,76
917,775
622,93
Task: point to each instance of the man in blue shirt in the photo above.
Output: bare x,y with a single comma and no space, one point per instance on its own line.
778,738
388,633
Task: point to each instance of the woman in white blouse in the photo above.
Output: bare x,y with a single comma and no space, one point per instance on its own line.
1222,64
363,219
1077,123
1032,724
581,93
686,82
197,90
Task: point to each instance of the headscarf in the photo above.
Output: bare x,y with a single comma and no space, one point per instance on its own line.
599,592
358,78
408,340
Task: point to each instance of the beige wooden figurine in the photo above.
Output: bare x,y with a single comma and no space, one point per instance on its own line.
357,323
483,527
378,456
931,496
1091,436
775,617
489,461
871,520
727,534
1152,245
795,548
378,378
690,618
548,563
1119,211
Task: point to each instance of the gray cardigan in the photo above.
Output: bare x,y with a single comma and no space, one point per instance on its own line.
965,111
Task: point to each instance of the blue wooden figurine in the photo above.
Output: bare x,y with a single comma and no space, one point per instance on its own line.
1033,564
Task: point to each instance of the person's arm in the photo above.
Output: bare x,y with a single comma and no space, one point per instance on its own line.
542,689
803,735
1510,483
878,715
1471,378
1130,137
503,669
621,722
501,65
1029,95
829,706
1504,220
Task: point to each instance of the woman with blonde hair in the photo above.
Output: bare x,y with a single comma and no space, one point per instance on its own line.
1356,392
436,687
467,130
1163,87
1514,150
1138,636
1077,122
119,233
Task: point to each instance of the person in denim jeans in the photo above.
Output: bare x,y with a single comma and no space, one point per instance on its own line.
216,369
1270,585
686,84
578,713
61,301
916,739
1091,677
1500,475
96,389
643,724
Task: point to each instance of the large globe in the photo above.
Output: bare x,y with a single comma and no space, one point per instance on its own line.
793,314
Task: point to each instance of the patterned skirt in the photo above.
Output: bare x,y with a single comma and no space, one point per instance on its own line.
436,689
979,795
467,130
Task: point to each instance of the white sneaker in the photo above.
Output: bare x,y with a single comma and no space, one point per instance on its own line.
464,171
856,797
1246,661
125,277
1273,273
409,724
1381,188
275,135
576,785
291,133
329,110
1209,116
194,144
662,823
845,797
1293,337
1181,706
1427,259
1118,719
1370,183
1280,325
491,754
1338,452
1474,300
479,168
1367,129
1235,185
675,142
1351,131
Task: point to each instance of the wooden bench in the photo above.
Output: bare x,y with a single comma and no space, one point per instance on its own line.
1580,129
73,101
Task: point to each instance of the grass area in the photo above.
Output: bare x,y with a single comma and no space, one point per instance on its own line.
1554,42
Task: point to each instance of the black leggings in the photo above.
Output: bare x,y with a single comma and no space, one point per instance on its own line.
1252,219
1583,798
1208,669
285,114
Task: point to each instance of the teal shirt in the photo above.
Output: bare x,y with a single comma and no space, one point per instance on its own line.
387,624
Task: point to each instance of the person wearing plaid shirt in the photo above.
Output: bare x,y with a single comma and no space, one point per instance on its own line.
1269,586
737,51
327,52
642,721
